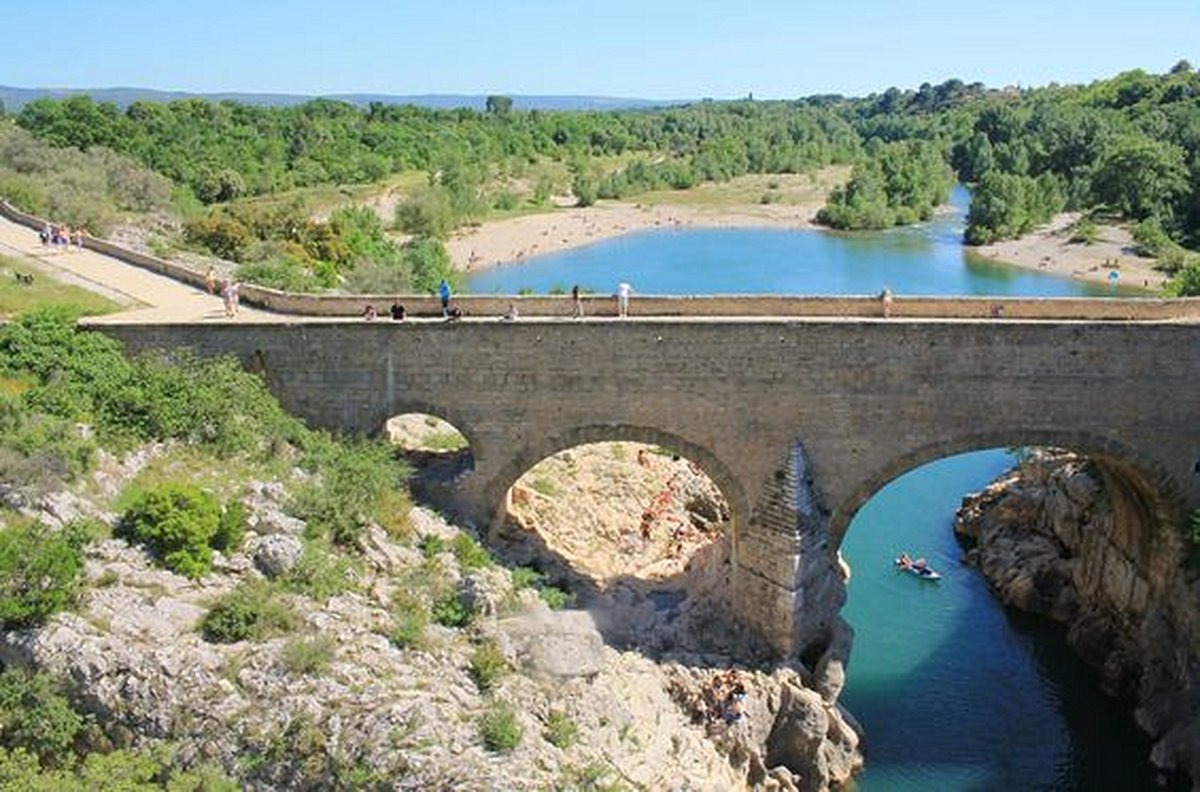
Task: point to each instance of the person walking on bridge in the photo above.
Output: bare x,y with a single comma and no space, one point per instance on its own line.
623,292
444,292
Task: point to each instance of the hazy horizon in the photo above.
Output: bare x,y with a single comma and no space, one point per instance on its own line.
666,51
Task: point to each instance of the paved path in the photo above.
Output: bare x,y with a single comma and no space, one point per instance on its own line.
153,297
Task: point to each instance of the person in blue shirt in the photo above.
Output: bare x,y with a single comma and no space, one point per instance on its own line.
444,291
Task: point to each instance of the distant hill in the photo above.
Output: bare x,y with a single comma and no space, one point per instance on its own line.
16,98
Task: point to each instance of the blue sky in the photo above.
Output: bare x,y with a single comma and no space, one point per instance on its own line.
656,49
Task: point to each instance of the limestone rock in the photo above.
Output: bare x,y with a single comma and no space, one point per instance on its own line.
1049,540
275,554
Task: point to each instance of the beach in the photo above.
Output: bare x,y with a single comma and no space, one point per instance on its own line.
1046,249
507,241
1049,249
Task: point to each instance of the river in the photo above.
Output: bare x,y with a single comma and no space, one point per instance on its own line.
953,692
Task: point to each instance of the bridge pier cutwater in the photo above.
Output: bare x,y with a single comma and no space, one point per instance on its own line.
797,420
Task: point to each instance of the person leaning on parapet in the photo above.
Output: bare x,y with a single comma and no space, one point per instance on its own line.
397,312
444,293
885,300
623,292
511,314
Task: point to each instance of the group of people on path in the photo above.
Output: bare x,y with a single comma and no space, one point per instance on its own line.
231,291
62,236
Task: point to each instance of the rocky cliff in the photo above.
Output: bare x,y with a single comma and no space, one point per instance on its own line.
1059,536
408,714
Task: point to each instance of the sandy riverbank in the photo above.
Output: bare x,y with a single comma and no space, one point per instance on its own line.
507,241
1048,249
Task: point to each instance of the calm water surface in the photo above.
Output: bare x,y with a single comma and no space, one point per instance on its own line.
926,259
953,692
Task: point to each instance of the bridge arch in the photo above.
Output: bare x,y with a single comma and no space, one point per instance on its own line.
495,492
1151,499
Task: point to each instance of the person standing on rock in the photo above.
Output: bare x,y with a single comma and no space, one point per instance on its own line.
623,292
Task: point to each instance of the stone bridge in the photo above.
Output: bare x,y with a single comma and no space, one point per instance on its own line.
799,420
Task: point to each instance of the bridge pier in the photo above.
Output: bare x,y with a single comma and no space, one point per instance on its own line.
788,586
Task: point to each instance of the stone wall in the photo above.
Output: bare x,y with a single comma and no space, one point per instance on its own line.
867,400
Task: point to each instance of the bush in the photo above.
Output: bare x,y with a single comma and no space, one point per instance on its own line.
470,554
561,731
250,611
556,598
39,451
39,572
354,480
411,617
231,528
449,611
499,728
220,234
178,524
431,545
526,577
488,664
36,717
308,654
320,573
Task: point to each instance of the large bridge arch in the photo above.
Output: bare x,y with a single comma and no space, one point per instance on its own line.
494,491
1150,501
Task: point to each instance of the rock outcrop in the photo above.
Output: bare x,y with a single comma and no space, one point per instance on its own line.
1060,538
407,715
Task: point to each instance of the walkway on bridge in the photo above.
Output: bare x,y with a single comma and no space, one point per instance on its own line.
153,297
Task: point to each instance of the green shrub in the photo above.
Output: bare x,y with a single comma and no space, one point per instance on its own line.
39,451
308,654
470,554
449,611
499,728
561,731
488,664
231,528
39,573
251,611
525,577
556,598
431,545
220,234
411,617
35,716
355,479
320,573
178,524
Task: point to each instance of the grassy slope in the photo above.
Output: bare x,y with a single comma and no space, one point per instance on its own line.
17,298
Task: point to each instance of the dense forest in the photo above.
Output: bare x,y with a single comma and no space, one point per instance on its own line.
1126,148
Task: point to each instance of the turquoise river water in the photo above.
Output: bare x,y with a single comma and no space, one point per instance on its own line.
954,693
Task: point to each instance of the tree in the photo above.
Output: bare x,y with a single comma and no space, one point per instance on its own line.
1141,177
499,105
